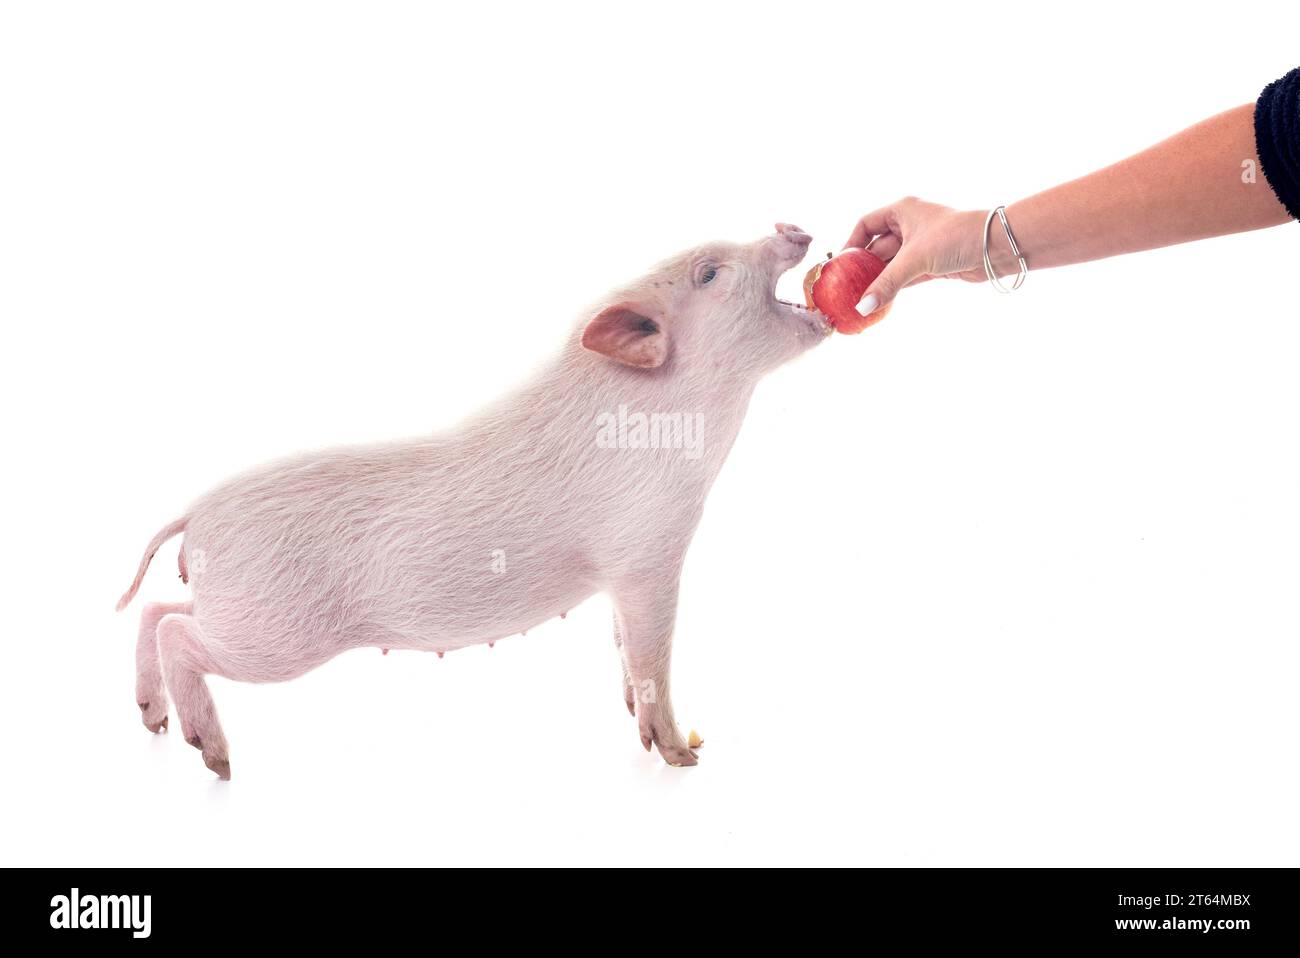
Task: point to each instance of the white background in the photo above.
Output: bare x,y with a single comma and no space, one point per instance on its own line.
1005,580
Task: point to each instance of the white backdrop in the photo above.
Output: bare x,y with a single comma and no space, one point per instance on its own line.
1004,580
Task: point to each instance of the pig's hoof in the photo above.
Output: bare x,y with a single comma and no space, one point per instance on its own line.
678,756
219,765
196,742
675,752
153,716
629,699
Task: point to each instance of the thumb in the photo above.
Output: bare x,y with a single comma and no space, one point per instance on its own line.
897,273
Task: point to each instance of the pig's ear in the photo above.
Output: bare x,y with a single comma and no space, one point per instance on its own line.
625,333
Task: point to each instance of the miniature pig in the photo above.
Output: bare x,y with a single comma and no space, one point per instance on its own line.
590,478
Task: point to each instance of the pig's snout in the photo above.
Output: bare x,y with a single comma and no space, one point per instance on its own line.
787,247
793,234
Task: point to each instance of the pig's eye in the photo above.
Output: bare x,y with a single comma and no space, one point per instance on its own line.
707,275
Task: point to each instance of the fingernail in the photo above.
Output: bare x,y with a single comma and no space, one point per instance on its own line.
869,304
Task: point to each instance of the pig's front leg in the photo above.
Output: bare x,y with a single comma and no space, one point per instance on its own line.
629,694
644,613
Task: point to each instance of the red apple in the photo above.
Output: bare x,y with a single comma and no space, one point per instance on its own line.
835,287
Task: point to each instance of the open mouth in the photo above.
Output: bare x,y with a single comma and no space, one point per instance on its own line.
814,319
804,311
789,262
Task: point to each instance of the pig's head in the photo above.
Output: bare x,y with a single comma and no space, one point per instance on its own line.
711,311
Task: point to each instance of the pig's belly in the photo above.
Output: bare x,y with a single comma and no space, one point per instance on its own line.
278,616
441,621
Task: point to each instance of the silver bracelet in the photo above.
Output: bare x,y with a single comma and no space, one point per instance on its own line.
1001,213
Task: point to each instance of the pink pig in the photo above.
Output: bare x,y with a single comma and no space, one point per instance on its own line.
589,478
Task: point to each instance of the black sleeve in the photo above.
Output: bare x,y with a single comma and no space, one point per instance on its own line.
1277,138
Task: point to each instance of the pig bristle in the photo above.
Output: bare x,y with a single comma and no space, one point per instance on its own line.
439,542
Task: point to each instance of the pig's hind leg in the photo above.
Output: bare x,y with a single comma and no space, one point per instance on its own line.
646,611
185,660
150,693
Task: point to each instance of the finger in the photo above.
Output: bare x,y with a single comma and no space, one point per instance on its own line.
900,271
886,246
870,225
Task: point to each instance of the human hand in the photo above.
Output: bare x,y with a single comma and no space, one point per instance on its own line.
921,241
